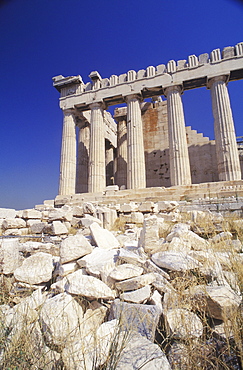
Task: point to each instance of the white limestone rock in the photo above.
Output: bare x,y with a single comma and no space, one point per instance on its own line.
137,296
32,302
162,284
58,228
103,238
156,300
149,237
9,256
35,269
107,216
31,214
136,282
125,271
91,350
74,247
222,237
219,302
37,227
88,220
182,324
175,261
7,213
167,206
127,208
178,230
150,266
131,257
16,232
60,318
13,223
136,318
34,247
87,286
140,353
93,317
99,261
146,207
89,208
137,217
66,269
78,211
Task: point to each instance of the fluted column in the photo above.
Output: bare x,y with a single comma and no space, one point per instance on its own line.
83,159
68,155
109,163
121,175
97,177
225,139
180,173
136,177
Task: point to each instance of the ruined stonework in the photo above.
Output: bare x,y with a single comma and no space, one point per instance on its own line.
149,145
202,154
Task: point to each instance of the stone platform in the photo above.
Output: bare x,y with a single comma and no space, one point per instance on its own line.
214,192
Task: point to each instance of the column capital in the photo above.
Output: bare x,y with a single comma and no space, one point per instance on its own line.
133,97
211,81
178,88
68,111
99,104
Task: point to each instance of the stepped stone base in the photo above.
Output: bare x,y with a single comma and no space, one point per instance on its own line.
212,191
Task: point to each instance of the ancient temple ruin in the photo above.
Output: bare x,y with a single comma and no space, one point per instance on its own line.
147,144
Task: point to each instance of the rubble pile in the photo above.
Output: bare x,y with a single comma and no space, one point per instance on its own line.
124,287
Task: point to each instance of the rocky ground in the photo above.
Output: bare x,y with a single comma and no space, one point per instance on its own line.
133,286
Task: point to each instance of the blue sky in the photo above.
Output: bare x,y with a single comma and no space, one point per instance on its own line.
40,39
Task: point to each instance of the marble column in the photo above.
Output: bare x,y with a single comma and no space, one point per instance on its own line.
121,174
68,155
109,163
225,139
136,176
180,173
97,176
83,159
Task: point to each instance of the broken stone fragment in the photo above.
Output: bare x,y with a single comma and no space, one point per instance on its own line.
74,247
99,261
58,228
136,318
140,353
13,223
175,261
149,237
35,269
219,302
60,318
31,214
125,271
137,296
136,282
182,324
9,256
103,238
87,286
37,227
87,220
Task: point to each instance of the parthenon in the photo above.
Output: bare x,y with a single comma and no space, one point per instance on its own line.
97,151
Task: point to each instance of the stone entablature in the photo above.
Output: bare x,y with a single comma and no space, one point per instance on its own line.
196,72
131,88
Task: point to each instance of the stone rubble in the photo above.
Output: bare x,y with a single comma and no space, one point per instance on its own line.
84,287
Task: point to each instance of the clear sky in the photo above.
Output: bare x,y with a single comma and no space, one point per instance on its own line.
40,39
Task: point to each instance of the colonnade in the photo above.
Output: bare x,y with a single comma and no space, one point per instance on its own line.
132,153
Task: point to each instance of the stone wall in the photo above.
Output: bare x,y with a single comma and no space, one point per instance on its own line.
202,153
